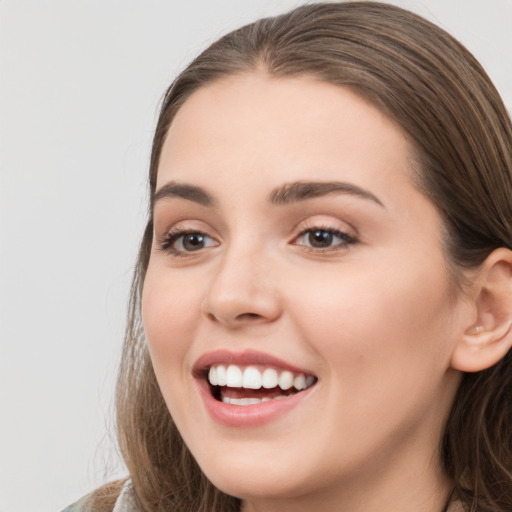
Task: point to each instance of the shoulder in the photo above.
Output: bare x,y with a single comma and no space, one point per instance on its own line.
78,506
126,501
103,498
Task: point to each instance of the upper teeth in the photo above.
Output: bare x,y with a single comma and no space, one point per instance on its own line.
251,378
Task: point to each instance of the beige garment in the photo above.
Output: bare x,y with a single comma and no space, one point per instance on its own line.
126,502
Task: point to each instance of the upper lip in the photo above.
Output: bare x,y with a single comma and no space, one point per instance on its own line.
245,358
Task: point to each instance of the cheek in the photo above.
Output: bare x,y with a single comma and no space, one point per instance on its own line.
169,311
372,323
384,347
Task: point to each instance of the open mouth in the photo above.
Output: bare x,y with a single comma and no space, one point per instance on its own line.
251,385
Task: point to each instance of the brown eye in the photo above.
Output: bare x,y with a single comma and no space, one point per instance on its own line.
183,242
193,241
324,239
320,238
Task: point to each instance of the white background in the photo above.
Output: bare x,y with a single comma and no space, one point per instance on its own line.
80,82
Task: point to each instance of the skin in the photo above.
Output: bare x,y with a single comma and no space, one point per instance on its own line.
376,321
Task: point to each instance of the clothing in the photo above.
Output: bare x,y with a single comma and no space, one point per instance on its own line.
124,503
78,506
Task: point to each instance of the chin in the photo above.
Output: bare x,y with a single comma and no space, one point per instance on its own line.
250,479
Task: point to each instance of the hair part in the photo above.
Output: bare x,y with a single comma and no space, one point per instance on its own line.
440,96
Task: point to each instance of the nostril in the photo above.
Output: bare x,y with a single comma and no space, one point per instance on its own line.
238,320
247,316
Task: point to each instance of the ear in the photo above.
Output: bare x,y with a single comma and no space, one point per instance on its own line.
489,337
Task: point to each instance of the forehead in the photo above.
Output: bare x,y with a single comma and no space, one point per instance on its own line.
255,123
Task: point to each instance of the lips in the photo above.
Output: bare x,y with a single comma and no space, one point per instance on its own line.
250,387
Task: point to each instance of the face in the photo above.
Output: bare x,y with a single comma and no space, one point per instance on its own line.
297,305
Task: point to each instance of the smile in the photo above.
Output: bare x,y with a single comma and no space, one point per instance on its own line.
250,388
251,385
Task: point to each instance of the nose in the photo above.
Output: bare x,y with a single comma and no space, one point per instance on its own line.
242,291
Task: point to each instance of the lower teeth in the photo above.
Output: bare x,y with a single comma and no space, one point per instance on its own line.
250,401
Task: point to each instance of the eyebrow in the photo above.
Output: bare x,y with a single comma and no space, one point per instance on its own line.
184,191
302,190
286,194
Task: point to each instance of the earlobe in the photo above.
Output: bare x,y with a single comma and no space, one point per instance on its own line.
488,339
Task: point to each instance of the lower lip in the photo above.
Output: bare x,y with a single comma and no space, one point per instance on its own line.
248,415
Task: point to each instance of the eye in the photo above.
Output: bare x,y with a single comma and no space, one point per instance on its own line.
324,239
182,242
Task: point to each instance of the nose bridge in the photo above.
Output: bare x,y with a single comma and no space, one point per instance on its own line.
242,288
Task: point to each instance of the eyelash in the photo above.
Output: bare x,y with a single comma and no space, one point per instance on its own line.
346,239
173,236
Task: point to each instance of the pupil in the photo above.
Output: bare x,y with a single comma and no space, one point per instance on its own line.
193,242
320,238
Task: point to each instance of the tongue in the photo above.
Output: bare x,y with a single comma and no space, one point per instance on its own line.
226,392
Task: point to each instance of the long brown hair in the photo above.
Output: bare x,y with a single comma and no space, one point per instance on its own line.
431,86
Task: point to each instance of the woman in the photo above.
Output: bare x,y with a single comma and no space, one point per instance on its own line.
321,312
